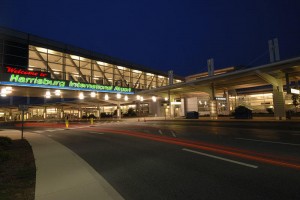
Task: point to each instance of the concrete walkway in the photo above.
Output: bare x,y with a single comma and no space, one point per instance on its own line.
61,174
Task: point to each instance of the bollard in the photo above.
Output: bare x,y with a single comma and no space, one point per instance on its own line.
67,124
92,121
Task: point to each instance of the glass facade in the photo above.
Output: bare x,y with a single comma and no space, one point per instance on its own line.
65,66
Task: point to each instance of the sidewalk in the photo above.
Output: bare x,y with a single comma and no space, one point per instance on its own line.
61,174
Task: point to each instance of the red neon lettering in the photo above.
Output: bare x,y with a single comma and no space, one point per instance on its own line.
14,70
43,74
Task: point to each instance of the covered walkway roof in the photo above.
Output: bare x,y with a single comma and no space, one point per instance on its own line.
244,78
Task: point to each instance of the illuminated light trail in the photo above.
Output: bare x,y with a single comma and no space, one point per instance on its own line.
215,148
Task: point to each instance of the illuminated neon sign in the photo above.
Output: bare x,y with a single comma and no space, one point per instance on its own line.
40,81
22,80
14,70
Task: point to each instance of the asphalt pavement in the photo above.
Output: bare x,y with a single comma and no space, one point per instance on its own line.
170,160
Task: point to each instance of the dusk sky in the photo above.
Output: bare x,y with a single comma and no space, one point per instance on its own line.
177,35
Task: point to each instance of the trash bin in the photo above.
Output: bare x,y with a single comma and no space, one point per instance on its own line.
192,115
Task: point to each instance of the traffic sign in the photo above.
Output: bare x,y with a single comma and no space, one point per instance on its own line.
23,107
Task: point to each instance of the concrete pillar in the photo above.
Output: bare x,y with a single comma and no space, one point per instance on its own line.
227,102
279,103
138,108
119,111
155,108
45,113
213,109
79,112
98,112
213,104
10,114
172,110
183,107
62,113
170,107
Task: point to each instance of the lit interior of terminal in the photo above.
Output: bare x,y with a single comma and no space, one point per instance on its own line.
54,81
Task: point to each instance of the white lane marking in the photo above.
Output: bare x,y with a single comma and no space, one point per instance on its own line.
220,158
293,144
296,134
160,132
60,129
174,135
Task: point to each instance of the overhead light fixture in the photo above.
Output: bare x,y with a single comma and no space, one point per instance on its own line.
166,99
57,92
102,63
118,96
142,99
81,96
74,57
136,71
261,95
93,94
8,89
3,92
126,98
121,68
106,97
154,98
138,97
48,94
43,50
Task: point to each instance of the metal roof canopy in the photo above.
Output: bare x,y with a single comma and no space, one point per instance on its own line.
244,78
26,38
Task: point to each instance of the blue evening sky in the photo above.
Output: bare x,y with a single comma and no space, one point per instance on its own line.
177,35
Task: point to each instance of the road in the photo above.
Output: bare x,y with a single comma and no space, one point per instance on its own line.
189,160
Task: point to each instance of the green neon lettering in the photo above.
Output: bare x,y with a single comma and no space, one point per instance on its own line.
14,78
22,79
30,80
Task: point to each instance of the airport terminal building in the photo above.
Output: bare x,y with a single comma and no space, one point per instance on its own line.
54,80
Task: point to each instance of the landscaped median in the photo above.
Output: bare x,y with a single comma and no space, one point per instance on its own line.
17,170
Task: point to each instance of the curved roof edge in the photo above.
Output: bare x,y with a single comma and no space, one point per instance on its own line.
67,48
